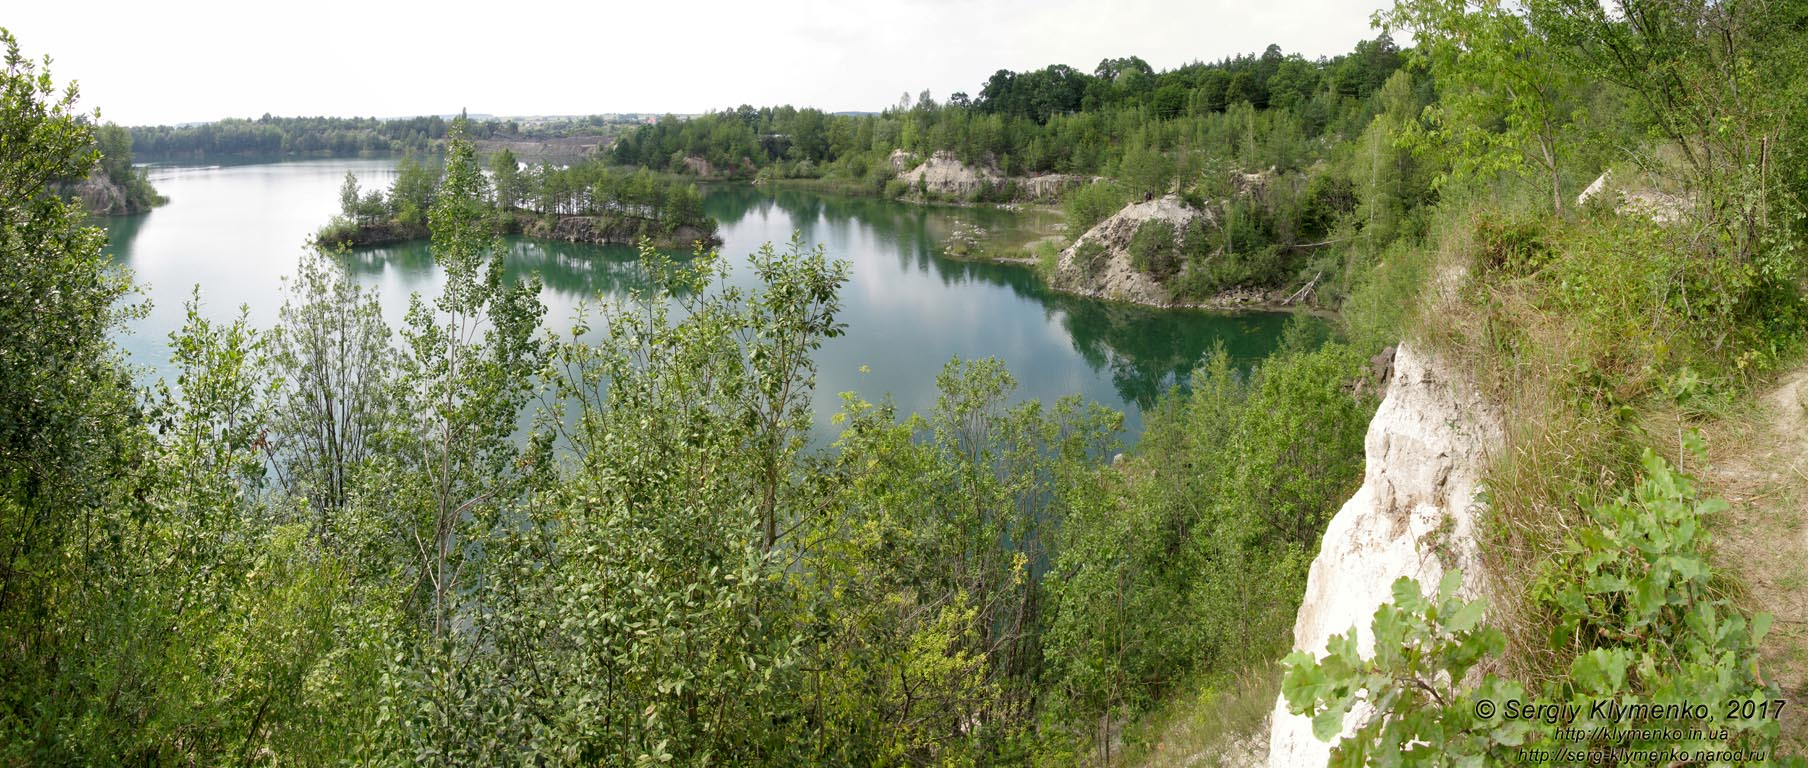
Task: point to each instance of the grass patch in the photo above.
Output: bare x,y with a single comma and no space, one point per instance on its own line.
1599,338
1048,256
1219,721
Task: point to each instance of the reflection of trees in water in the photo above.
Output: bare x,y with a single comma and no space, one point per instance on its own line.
1148,350
121,231
572,269
729,203
582,270
919,231
1145,350
408,257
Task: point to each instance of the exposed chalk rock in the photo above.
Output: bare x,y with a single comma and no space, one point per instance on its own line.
944,174
1415,515
1111,276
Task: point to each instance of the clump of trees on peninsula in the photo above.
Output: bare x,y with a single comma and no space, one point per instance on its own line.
587,201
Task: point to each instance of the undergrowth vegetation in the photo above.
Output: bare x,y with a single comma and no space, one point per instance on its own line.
335,542
1585,324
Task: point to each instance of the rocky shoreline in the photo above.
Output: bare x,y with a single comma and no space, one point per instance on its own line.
102,195
1109,275
943,176
941,179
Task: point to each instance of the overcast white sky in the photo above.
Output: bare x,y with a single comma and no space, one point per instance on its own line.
168,62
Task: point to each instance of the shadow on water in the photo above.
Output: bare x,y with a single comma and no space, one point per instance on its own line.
121,231
1146,351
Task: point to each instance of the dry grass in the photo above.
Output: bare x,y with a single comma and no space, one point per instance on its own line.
1562,453
1220,726
1584,387
1758,462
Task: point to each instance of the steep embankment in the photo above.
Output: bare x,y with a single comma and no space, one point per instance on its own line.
1098,262
1103,262
1758,461
1415,515
102,195
943,176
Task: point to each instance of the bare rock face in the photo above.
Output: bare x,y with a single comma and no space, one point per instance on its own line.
1638,199
698,166
1597,187
1049,186
943,174
1415,515
1109,275
100,196
1251,184
900,160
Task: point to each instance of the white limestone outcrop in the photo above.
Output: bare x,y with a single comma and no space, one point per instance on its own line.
1415,515
1112,277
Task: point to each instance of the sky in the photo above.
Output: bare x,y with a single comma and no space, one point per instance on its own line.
175,62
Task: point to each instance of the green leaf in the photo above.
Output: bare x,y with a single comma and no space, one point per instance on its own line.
1760,626
1467,617
1327,724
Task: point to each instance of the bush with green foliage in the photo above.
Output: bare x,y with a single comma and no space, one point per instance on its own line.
1200,569
1091,204
1090,256
1155,249
1636,609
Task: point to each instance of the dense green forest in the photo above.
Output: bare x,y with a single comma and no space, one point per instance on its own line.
615,205
327,542
269,136
1056,119
1266,144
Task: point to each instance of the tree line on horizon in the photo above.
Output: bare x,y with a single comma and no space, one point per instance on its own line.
277,137
1055,119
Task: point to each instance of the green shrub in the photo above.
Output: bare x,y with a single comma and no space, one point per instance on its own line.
1635,608
1090,256
1328,199
1516,246
1385,297
1093,203
1202,567
338,230
1154,250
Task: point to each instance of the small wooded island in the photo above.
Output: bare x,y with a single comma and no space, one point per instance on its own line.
588,202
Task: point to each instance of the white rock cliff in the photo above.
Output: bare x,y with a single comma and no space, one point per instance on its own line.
1415,515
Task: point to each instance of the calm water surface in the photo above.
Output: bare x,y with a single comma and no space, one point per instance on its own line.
238,231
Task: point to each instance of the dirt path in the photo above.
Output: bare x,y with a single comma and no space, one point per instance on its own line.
1759,463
